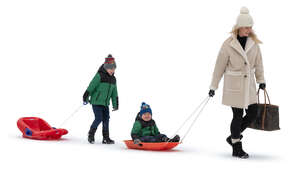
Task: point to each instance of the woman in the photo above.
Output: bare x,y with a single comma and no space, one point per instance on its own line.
239,60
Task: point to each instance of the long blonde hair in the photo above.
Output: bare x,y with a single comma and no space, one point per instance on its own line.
235,31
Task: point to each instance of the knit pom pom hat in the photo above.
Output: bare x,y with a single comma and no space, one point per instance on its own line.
110,62
145,108
244,19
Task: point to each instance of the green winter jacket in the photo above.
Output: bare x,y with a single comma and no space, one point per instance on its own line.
142,128
103,88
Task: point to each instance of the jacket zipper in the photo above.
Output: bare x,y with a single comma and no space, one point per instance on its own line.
108,92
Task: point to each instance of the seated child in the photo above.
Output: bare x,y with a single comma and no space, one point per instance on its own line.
145,129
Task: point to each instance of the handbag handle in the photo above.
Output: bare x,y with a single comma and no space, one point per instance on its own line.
265,94
265,106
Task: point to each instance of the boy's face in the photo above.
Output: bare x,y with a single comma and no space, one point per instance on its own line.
111,71
147,116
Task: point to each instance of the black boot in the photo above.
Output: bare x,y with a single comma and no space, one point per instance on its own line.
91,135
237,151
106,139
164,139
175,139
228,139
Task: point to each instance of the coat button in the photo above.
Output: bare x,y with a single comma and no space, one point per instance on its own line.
245,76
245,63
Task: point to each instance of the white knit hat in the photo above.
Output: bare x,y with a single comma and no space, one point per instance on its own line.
244,19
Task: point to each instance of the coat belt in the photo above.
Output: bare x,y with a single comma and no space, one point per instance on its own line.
238,73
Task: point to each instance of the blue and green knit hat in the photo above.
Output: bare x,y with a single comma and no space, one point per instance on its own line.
145,108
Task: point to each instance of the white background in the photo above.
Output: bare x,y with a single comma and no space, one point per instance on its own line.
165,53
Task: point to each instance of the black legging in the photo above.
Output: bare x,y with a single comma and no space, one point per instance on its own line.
240,123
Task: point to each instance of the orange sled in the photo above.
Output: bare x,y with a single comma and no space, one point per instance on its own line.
161,146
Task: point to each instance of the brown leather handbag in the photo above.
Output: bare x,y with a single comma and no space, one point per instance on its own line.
267,115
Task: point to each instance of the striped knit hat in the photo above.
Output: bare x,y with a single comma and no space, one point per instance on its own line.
110,62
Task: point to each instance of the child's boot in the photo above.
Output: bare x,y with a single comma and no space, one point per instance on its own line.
91,135
106,139
175,139
237,151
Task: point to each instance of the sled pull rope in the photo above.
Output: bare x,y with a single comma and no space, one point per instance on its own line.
71,115
204,103
190,116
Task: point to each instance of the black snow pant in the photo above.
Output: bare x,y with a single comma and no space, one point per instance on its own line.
157,138
240,123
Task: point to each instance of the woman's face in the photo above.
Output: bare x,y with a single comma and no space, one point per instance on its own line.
147,116
110,71
245,31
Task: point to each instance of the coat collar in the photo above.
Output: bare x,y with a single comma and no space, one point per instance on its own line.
237,46
249,44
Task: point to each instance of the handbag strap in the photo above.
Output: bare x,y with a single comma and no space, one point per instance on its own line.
265,94
265,106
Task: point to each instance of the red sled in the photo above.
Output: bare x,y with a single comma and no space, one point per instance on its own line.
37,128
160,146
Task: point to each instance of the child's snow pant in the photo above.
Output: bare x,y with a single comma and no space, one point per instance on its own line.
157,138
101,115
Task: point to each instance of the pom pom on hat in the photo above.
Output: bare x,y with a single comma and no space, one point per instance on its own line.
244,10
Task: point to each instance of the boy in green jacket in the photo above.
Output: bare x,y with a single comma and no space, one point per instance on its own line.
100,91
145,129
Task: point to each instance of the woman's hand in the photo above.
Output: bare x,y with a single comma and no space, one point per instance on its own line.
211,93
262,86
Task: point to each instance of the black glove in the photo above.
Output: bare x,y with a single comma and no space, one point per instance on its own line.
137,141
211,93
115,109
262,86
86,97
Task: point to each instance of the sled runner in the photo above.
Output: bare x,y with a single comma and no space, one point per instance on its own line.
151,146
37,128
